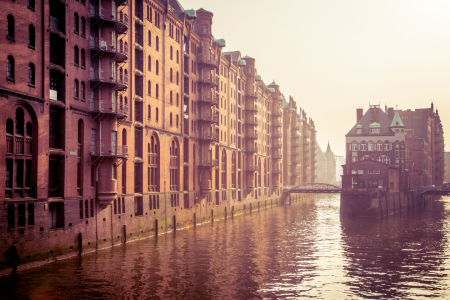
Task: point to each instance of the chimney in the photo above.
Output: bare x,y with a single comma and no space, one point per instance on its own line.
391,113
359,114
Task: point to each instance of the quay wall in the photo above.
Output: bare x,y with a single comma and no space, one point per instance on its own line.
380,205
107,228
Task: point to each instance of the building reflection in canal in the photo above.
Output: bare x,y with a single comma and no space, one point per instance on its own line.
297,250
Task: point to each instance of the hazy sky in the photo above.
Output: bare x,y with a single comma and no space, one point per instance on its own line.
334,56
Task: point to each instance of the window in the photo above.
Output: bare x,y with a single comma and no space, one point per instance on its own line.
149,38
177,121
31,4
149,88
354,159
224,170
363,146
83,26
10,34
56,215
178,79
156,115
171,53
157,43
149,63
170,118
171,98
178,100
10,68
30,214
370,146
379,146
76,56
31,77
11,216
157,67
375,130
153,165
149,112
387,146
173,166
83,58
157,91
21,215
82,91
75,23
75,89
178,57
31,36
19,156
358,131
171,75
354,146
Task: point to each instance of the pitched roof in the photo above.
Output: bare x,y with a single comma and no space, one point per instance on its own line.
397,121
374,116
328,148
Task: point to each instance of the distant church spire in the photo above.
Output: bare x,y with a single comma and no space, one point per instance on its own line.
328,148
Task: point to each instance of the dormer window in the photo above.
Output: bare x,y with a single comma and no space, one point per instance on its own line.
374,130
358,131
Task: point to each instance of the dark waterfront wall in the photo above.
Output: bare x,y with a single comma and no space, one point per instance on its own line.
377,206
107,229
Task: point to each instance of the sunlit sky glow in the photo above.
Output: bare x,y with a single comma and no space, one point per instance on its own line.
334,56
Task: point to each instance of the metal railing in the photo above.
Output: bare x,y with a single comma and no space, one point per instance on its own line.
109,150
57,25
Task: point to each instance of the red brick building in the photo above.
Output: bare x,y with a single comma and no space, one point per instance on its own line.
375,154
125,117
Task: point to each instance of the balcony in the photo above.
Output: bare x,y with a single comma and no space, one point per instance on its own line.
252,135
277,113
253,148
206,162
252,121
208,81
208,117
108,150
57,27
214,100
107,107
210,62
98,75
251,107
252,95
119,21
277,171
277,134
120,53
276,122
209,137
277,145
251,168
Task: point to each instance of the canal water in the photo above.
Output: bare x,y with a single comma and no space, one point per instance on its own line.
292,251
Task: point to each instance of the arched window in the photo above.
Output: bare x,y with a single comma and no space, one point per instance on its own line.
83,58
170,119
10,27
20,173
178,100
75,89
82,91
149,36
171,53
153,164
31,4
224,170
75,23
370,146
157,67
31,36
178,57
157,91
177,121
157,43
149,88
178,78
76,58
354,146
156,115
149,112
387,146
363,146
121,74
174,166
83,26
31,77
171,97
148,12
171,75
10,68
379,146
149,63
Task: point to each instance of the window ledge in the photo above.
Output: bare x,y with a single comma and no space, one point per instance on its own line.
83,67
31,85
10,79
11,38
76,65
31,47
31,8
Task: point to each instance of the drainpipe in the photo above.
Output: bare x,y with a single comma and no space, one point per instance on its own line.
164,104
